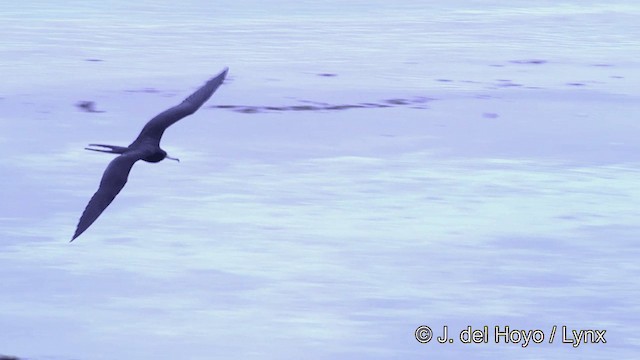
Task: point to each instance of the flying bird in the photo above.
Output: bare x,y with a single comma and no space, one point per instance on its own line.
145,147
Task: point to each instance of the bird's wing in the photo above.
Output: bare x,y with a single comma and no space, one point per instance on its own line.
153,130
113,180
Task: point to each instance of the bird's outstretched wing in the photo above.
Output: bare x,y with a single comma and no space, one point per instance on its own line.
113,180
153,130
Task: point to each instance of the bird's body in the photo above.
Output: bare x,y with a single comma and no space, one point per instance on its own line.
145,147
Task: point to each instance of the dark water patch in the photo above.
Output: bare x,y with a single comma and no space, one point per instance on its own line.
375,105
489,115
94,60
602,65
88,106
327,75
300,107
509,84
612,76
444,80
397,101
344,107
247,110
529,61
7,357
414,103
503,83
576,84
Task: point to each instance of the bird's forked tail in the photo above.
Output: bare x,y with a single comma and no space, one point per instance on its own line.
112,149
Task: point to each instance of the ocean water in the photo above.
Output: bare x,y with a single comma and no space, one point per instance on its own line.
368,168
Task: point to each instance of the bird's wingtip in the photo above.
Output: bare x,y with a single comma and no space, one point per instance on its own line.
75,236
220,76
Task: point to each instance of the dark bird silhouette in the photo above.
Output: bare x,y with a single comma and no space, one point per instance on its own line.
145,147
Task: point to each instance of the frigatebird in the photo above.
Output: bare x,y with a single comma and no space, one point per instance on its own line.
145,147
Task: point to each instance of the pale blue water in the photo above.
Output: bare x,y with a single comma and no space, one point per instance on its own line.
376,40
510,199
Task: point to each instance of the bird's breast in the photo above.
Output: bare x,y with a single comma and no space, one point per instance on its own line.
155,157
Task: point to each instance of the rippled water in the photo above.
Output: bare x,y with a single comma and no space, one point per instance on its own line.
496,186
379,38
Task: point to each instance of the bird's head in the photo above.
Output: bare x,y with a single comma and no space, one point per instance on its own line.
166,156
